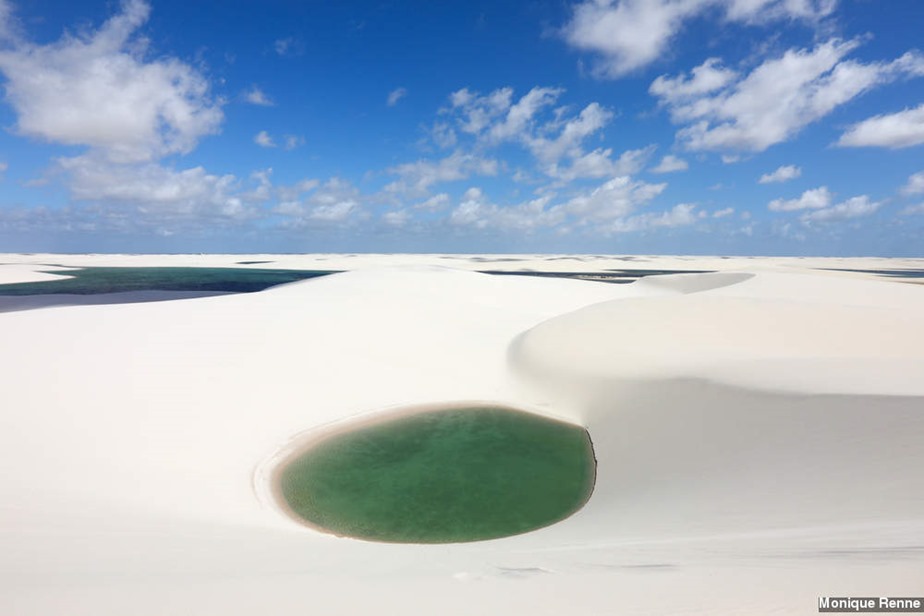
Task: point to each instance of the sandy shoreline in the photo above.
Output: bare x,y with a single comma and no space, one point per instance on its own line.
758,433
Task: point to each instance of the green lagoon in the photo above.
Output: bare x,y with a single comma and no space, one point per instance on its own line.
455,475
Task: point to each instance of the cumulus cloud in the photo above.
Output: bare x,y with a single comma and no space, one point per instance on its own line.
915,184
151,187
554,135
518,118
443,135
781,174
670,164
336,202
396,95
264,140
571,135
296,191
813,199
475,111
723,212
476,212
398,218
616,198
599,164
609,208
896,130
434,203
912,210
703,79
256,96
290,142
495,117
98,89
776,100
416,178
333,212
630,34
680,215
855,207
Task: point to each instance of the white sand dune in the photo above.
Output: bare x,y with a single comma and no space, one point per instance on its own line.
759,435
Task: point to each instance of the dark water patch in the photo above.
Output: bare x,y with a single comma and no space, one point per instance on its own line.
639,273
616,276
888,273
594,276
252,262
34,302
96,280
447,476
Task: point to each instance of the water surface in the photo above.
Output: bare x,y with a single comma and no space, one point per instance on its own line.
454,475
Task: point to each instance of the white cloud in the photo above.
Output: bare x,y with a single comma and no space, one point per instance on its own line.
333,212
264,140
723,212
434,203
680,215
553,136
443,135
631,34
475,212
897,130
97,89
9,28
671,163
813,199
600,164
288,46
614,199
781,174
256,96
606,209
477,112
416,178
777,99
762,11
851,208
573,132
496,118
915,185
705,78
912,210
295,191
336,202
520,115
151,187
398,218
396,95
293,141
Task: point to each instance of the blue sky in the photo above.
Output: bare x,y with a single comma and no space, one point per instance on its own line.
749,127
